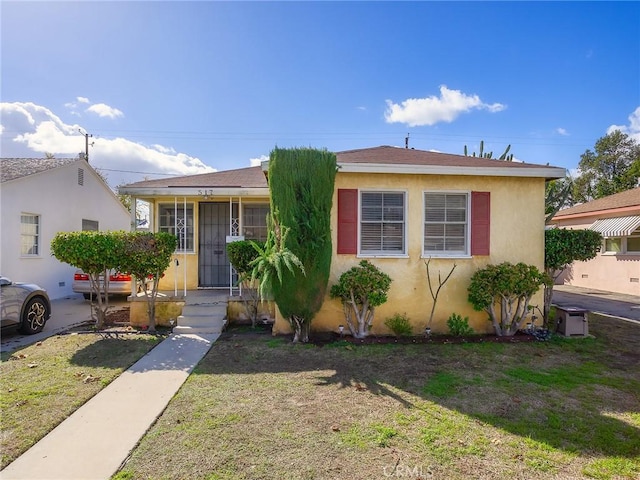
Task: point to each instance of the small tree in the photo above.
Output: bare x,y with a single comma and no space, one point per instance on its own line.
509,286
434,295
95,253
562,247
241,253
361,289
301,183
272,260
148,255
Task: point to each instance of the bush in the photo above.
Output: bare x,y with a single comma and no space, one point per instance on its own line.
399,325
361,289
508,287
458,326
241,253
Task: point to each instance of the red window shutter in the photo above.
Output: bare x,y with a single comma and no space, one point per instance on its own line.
480,222
347,221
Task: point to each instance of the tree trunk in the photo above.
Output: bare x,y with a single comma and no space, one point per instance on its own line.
548,296
301,329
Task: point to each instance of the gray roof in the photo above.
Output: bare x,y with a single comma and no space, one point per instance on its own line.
14,168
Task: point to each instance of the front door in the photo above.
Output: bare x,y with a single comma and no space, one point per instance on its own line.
213,264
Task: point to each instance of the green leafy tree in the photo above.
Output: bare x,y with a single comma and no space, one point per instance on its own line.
557,197
145,255
361,289
562,247
508,286
95,253
613,167
301,182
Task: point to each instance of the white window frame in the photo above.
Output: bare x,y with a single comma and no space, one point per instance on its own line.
635,234
190,233
36,237
405,225
247,227
448,254
624,250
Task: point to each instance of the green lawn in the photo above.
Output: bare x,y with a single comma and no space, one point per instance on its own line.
43,384
260,408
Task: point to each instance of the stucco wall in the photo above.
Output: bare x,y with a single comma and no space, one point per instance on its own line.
517,235
619,273
62,204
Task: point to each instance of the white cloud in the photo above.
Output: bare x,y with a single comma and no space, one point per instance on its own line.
633,129
104,110
562,131
82,100
30,130
256,162
431,110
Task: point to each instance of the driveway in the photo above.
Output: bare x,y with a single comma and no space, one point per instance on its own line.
598,301
65,313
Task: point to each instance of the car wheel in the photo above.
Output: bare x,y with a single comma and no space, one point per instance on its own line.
87,296
35,315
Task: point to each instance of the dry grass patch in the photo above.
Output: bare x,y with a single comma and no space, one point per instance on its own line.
44,383
261,408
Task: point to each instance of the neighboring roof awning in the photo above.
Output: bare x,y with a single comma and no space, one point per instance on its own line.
616,227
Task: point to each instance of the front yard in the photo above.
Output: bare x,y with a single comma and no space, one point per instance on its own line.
258,407
43,384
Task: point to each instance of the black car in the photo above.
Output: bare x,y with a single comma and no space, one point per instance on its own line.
24,306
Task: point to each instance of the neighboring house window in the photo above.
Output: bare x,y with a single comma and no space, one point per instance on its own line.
89,225
633,242
254,221
613,245
178,221
29,234
630,244
446,223
382,223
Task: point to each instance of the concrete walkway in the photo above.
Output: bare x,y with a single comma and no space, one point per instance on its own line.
94,441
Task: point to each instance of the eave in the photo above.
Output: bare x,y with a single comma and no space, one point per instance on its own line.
548,173
195,191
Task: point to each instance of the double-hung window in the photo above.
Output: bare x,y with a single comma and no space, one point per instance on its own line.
178,220
382,223
255,221
29,235
446,223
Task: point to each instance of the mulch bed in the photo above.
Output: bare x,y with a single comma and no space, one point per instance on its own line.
324,338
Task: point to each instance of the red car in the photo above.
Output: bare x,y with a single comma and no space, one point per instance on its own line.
119,284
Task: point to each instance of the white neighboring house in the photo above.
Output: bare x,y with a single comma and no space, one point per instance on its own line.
40,197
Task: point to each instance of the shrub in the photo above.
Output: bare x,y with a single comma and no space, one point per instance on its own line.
458,326
399,325
509,286
241,253
361,289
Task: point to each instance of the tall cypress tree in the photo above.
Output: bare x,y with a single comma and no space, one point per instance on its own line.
301,181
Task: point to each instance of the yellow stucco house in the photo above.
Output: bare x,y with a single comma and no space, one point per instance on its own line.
394,206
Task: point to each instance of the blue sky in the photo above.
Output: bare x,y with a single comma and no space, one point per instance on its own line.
187,87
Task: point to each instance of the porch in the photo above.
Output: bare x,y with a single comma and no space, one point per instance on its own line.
197,311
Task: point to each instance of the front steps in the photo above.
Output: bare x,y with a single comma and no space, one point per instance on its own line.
202,315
